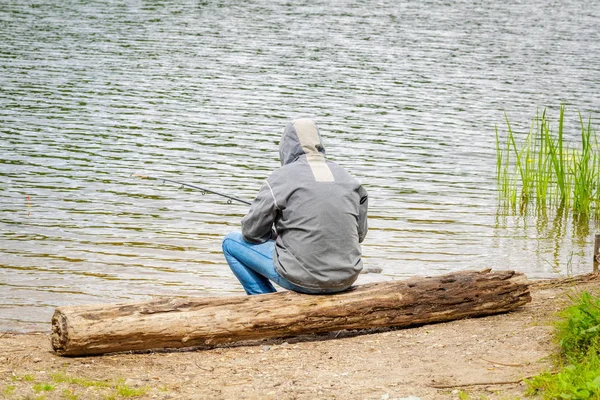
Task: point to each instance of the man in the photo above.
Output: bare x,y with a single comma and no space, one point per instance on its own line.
303,230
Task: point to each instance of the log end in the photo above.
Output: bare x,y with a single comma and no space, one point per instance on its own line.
60,332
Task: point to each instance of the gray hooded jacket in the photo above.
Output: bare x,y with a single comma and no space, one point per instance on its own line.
318,210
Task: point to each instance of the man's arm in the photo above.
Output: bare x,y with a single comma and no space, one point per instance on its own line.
257,225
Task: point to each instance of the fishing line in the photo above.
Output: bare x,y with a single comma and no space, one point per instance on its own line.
230,199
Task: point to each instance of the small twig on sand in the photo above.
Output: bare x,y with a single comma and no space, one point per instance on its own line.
440,386
504,364
211,369
563,282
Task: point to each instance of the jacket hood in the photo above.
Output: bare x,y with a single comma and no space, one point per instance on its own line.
301,136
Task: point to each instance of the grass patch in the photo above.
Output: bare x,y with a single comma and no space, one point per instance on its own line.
462,395
124,390
119,388
9,389
546,170
578,330
578,362
68,394
43,387
60,377
71,387
24,378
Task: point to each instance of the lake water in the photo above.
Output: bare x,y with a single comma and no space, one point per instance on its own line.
407,95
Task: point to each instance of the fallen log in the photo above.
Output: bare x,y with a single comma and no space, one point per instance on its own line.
193,322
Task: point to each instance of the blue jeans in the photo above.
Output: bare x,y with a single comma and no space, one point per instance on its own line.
253,265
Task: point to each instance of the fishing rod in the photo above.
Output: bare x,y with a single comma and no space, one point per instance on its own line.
230,199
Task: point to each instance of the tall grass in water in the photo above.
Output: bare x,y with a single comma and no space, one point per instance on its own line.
544,170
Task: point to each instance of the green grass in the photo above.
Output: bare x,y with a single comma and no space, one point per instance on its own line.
72,387
545,170
68,394
578,335
24,378
60,377
121,390
578,330
125,391
462,395
575,381
43,387
9,389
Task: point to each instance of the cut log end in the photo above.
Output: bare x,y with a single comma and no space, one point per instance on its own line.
60,334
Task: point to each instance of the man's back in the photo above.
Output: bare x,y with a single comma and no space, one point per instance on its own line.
318,228
319,212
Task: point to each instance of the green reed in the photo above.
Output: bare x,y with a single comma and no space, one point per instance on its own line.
544,170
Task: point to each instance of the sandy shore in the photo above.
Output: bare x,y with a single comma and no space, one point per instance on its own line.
479,358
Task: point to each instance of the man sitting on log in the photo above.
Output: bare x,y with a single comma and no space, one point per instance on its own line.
303,231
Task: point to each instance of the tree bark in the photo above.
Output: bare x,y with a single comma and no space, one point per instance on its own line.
191,322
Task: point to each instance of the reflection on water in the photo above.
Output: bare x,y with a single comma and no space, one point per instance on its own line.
552,238
407,97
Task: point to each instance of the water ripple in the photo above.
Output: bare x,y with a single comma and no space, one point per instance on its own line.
407,96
